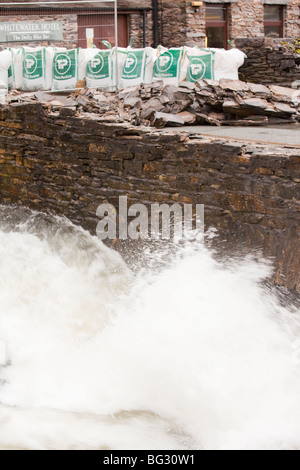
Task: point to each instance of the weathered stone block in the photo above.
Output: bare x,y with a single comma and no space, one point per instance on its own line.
188,118
233,85
161,120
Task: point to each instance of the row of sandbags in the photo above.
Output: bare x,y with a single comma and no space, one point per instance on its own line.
57,69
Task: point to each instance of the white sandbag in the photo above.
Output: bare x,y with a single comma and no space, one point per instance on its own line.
50,51
11,73
3,353
116,65
10,77
34,68
15,75
65,70
227,63
138,67
84,56
198,64
3,91
167,65
99,67
152,56
119,56
5,64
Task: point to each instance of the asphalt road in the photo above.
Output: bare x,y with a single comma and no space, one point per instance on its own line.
283,134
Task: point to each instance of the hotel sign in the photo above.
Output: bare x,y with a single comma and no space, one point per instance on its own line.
23,31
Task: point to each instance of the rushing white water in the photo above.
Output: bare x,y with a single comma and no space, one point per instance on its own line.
196,356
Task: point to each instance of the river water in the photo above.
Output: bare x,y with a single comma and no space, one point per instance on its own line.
199,354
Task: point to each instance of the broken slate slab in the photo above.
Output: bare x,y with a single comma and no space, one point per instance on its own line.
287,95
151,106
189,118
207,119
258,89
187,86
131,103
43,97
68,101
279,120
208,82
161,120
255,103
296,84
284,108
171,92
55,100
83,100
180,105
233,85
230,106
147,114
158,85
67,111
248,121
131,92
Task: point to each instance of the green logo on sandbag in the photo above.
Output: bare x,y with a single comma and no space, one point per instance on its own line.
199,68
98,66
65,65
33,65
164,62
133,65
196,70
10,72
166,66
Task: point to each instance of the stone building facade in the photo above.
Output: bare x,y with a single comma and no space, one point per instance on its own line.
185,23
167,22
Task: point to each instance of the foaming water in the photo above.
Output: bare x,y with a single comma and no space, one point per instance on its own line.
196,355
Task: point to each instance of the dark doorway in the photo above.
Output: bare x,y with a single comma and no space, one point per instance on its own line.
104,29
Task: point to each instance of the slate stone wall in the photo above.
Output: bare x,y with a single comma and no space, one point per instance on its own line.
268,61
69,165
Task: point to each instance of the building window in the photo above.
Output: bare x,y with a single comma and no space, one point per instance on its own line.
216,25
273,21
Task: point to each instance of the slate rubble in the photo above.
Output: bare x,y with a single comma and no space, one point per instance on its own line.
228,102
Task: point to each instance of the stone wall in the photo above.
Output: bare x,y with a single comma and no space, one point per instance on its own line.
195,25
269,61
292,19
246,19
173,25
136,29
50,161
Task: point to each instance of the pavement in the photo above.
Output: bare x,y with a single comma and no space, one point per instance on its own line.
288,134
